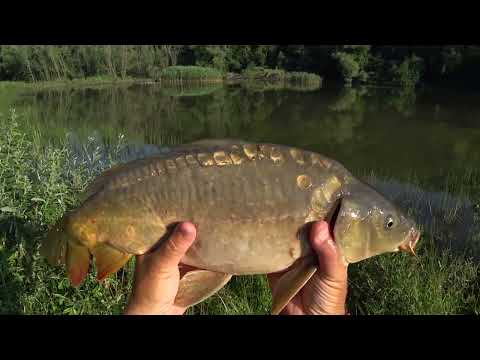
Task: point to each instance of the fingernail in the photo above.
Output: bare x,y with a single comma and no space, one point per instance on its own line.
321,234
185,229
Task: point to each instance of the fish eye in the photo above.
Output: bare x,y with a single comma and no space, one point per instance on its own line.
389,223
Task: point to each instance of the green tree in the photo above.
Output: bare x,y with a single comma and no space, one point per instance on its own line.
353,61
409,72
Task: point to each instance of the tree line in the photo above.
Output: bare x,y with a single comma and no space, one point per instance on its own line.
407,66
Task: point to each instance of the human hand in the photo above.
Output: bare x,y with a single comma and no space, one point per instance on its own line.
157,275
326,291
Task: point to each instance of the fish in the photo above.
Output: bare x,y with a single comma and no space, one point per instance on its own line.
252,203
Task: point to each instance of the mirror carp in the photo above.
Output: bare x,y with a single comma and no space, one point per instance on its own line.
252,204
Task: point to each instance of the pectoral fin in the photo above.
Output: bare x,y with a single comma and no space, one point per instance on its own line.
108,260
291,282
78,263
199,285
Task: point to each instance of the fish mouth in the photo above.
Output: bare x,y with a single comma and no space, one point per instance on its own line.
409,245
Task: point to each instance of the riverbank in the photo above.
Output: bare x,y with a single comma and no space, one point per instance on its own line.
41,182
407,65
175,75
87,82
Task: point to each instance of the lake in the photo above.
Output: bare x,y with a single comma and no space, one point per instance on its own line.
388,131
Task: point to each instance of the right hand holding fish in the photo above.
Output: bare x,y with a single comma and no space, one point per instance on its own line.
326,292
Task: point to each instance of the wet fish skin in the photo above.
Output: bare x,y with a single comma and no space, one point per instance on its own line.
251,203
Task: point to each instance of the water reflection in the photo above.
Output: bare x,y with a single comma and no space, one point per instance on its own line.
389,131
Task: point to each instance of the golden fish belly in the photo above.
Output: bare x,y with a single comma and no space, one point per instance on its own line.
248,247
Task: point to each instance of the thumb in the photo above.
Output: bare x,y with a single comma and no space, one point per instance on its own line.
170,253
323,244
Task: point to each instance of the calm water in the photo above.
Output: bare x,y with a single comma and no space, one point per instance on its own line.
388,132
382,130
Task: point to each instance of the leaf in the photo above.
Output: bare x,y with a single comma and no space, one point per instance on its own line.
7,209
37,199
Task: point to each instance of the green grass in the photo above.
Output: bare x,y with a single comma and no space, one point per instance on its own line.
175,75
437,282
38,183
243,295
303,78
86,82
190,73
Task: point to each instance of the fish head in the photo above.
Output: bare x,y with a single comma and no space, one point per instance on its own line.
366,224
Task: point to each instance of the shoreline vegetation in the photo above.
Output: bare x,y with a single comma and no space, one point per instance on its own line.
53,84
40,182
188,76
400,66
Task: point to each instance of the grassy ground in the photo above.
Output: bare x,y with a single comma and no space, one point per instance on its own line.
38,183
173,75
87,82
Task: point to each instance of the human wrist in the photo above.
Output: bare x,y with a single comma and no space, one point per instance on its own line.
338,310
144,308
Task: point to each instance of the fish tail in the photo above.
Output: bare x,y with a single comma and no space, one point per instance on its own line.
59,248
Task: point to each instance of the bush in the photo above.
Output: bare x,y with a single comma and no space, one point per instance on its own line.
12,63
261,73
353,61
258,73
303,78
409,72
